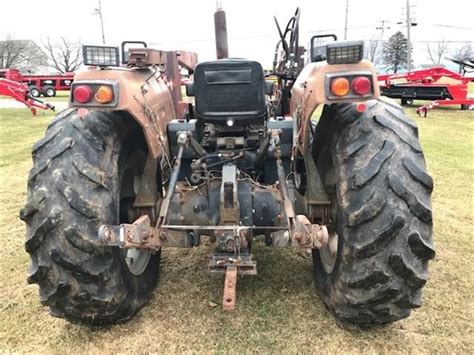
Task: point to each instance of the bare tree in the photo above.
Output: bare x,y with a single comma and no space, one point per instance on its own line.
373,51
465,52
64,54
24,55
12,52
437,53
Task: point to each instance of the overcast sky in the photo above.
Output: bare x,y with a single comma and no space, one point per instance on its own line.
188,25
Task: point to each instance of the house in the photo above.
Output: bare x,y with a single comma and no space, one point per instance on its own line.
24,55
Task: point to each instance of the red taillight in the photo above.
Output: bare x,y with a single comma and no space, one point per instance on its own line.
361,85
82,94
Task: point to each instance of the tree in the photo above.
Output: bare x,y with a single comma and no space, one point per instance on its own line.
372,51
64,54
11,52
466,52
436,54
24,55
395,54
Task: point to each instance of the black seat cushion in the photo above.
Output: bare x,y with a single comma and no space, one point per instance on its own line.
230,89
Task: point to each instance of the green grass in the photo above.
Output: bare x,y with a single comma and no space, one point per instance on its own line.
278,310
61,96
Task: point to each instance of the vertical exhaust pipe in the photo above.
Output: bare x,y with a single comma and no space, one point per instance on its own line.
220,26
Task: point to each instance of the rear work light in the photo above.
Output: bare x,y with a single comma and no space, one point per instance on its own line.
82,94
344,52
101,56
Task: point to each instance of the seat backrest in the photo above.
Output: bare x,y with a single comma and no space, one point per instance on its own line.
230,89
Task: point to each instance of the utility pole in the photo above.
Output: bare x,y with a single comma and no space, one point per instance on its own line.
347,15
408,22
408,19
98,11
382,28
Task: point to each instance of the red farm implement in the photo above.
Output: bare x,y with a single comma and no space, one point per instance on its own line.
441,86
46,85
19,92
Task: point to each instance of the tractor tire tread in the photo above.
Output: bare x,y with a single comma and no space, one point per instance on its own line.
78,278
384,213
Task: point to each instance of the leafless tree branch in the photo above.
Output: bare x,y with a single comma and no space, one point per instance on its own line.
64,54
373,51
12,53
437,53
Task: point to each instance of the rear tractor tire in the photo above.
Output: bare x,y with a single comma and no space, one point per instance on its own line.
73,188
373,168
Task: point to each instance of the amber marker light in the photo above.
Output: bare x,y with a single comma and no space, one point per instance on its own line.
104,94
340,86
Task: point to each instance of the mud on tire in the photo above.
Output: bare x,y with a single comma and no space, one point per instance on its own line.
73,188
373,166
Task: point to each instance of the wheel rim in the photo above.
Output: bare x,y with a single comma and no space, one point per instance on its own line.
49,92
137,260
328,253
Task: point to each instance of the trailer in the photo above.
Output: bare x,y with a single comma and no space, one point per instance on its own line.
440,85
46,85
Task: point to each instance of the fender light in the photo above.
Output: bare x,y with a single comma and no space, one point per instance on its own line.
340,86
83,94
349,85
95,93
104,94
361,85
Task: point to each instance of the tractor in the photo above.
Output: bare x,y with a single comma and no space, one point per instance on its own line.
132,167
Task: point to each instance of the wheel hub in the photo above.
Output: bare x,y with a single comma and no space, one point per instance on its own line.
328,253
137,260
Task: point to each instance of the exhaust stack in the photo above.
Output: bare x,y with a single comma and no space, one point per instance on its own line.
220,26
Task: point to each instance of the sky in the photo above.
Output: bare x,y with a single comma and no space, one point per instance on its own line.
188,25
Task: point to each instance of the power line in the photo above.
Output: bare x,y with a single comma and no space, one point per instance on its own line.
451,26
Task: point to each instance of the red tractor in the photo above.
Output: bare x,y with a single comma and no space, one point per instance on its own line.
130,169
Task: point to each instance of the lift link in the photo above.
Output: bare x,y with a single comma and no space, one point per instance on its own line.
141,234
301,231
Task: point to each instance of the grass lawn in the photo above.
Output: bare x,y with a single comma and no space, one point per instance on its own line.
61,96
278,310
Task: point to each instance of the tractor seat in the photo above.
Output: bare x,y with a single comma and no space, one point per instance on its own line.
229,89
